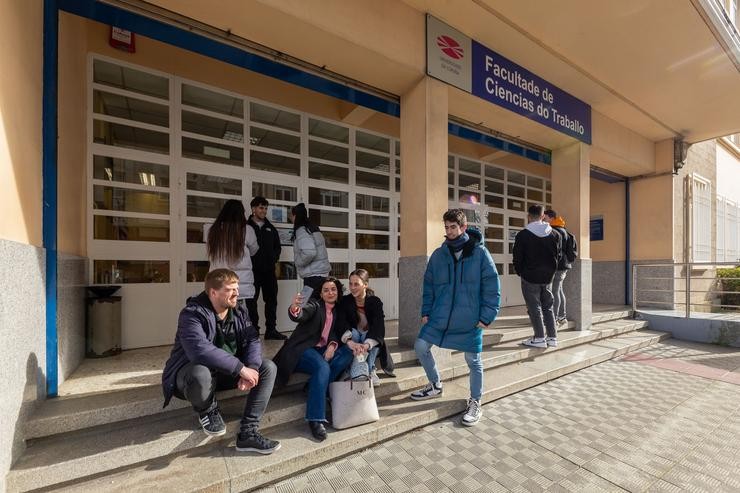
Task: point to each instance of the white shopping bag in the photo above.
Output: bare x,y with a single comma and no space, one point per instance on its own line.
352,403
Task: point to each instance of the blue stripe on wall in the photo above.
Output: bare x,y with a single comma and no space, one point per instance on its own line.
496,143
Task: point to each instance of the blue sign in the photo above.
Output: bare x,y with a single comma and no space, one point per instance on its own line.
597,228
503,82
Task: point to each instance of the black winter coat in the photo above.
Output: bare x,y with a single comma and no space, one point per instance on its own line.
375,324
269,241
536,258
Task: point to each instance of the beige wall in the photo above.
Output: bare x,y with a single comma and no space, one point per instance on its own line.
607,200
20,121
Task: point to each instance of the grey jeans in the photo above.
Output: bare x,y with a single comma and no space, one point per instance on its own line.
538,298
558,306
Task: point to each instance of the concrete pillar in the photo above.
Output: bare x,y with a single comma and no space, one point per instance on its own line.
571,197
423,194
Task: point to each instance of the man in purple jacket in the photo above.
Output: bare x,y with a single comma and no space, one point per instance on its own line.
217,348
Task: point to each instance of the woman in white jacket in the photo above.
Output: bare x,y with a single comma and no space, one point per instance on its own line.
309,249
230,244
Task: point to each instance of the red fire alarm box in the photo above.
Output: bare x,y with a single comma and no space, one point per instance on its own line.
122,39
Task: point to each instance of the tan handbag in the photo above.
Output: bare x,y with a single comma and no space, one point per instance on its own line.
352,403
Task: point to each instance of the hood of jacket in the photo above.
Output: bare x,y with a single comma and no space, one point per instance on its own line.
475,238
539,228
558,222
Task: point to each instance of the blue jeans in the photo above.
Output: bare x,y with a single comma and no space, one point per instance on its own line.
322,374
424,353
358,336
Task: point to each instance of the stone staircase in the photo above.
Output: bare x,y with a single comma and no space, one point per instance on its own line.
124,440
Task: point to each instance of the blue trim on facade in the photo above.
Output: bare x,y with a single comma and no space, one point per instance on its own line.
202,45
491,141
49,177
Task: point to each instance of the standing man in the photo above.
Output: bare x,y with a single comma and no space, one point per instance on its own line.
567,257
461,298
216,348
536,255
263,265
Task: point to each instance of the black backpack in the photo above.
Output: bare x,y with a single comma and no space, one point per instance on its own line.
570,247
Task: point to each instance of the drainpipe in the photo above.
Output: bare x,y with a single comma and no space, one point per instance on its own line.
627,266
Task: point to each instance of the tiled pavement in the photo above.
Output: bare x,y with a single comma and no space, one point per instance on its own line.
620,425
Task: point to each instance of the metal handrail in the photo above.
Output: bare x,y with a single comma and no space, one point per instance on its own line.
687,290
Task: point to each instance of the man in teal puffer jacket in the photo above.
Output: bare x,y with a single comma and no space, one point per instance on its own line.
461,298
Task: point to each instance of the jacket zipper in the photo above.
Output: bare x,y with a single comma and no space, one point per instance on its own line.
452,305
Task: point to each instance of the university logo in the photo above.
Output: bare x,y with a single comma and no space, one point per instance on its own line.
450,47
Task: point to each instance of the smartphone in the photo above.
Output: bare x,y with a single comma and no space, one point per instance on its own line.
306,293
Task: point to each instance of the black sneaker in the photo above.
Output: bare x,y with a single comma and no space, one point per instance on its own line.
252,441
212,422
275,335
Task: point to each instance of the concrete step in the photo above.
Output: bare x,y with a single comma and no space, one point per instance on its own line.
95,450
221,468
69,414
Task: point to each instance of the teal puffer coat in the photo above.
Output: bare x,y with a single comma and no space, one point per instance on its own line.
458,294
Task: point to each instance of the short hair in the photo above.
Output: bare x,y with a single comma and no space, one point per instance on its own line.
218,277
455,216
551,213
258,200
535,210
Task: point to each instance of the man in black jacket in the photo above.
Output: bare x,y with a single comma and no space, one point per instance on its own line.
536,254
216,348
263,266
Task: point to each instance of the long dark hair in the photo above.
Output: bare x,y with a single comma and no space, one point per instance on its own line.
301,220
226,238
364,277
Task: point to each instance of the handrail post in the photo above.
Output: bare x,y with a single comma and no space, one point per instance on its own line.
688,290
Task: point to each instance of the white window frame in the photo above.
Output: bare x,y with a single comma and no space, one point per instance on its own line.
701,218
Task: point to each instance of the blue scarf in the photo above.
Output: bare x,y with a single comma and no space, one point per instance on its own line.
458,243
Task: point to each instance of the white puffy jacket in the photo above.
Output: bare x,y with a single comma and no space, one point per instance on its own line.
309,252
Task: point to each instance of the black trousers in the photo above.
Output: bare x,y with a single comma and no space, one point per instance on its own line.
265,282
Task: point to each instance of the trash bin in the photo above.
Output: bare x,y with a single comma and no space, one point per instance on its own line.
103,329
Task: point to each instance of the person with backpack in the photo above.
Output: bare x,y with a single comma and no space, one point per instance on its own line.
565,263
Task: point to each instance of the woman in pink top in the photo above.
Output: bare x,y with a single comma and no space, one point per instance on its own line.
315,348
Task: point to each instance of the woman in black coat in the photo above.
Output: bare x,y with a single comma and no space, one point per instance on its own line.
315,348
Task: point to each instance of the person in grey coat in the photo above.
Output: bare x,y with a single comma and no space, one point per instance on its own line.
309,249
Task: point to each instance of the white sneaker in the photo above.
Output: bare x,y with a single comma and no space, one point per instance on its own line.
428,392
535,342
552,341
473,413
375,378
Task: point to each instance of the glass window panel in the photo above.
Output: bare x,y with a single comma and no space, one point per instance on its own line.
494,172
372,203
204,206
115,134
210,151
327,130
330,219
336,239
495,233
515,205
326,172
450,194
450,177
369,221
371,180
398,147
275,192
272,162
130,171
495,247
131,271
274,116
372,161
516,178
468,166
534,182
131,109
212,101
130,79
469,198
197,270
215,184
131,229
398,184
329,152
548,185
279,214
515,191
374,142
195,232
324,196
450,162
495,201
340,270
398,166
517,222
494,187
212,127
512,271
472,215
500,269
548,197
285,271
366,241
495,218
511,248
376,270
123,199
466,182
274,140
534,195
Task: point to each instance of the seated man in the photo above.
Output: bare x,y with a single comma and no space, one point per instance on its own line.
217,348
